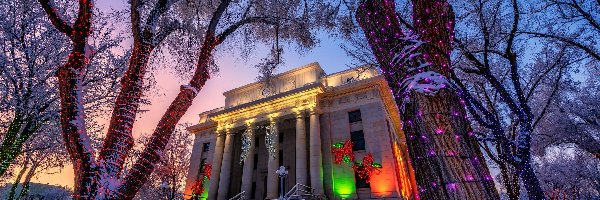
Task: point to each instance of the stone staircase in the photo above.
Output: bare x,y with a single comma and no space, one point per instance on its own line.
298,192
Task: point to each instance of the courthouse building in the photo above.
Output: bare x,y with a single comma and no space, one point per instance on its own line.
302,122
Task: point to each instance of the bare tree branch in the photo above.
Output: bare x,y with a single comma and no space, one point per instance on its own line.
583,47
55,18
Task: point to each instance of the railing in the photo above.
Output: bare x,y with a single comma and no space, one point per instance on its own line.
301,191
239,196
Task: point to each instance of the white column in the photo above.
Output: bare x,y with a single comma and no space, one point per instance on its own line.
194,170
216,166
301,168
272,178
316,157
226,167
248,170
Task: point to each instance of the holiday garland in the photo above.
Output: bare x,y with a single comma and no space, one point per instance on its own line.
246,144
198,187
343,152
271,139
367,168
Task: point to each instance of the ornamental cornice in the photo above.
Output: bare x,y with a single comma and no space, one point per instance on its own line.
202,127
307,67
270,107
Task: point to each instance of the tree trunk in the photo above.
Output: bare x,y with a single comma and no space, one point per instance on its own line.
446,158
119,139
510,181
6,149
13,188
530,181
70,83
72,120
16,137
27,181
73,128
523,153
144,166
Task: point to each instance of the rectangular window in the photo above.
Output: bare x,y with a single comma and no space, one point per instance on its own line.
280,135
201,168
253,193
280,158
256,142
360,182
358,140
255,161
205,147
354,116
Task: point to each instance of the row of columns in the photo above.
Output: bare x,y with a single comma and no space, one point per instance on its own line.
221,171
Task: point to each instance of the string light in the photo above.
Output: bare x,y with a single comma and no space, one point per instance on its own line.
343,152
367,168
198,187
415,65
271,137
246,143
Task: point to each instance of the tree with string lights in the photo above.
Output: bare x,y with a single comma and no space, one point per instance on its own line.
444,152
513,90
167,180
205,25
563,108
28,98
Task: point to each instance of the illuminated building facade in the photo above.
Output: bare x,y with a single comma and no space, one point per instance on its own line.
301,122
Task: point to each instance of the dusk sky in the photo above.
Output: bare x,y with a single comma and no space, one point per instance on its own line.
234,72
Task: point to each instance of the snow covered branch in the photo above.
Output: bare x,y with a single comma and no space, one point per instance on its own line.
55,17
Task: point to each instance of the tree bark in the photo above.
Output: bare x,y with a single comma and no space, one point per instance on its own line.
523,163
530,181
144,166
119,139
510,181
447,165
73,129
27,181
72,115
20,129
446,157
13,188
7,155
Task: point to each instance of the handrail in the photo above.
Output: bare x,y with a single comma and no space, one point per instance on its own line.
239,196
300,189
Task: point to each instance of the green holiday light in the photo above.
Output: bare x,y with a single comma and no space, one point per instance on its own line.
338,145
344,186
346,159
376,165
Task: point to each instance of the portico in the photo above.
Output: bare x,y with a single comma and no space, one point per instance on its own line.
293,105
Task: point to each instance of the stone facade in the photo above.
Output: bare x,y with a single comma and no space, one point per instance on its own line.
312,111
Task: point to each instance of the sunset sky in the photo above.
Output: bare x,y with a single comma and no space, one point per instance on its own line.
234,72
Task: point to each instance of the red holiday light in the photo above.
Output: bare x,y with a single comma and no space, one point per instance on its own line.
207,170
343,152
367,168
198,187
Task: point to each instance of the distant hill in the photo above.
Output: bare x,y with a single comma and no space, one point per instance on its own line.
39,191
